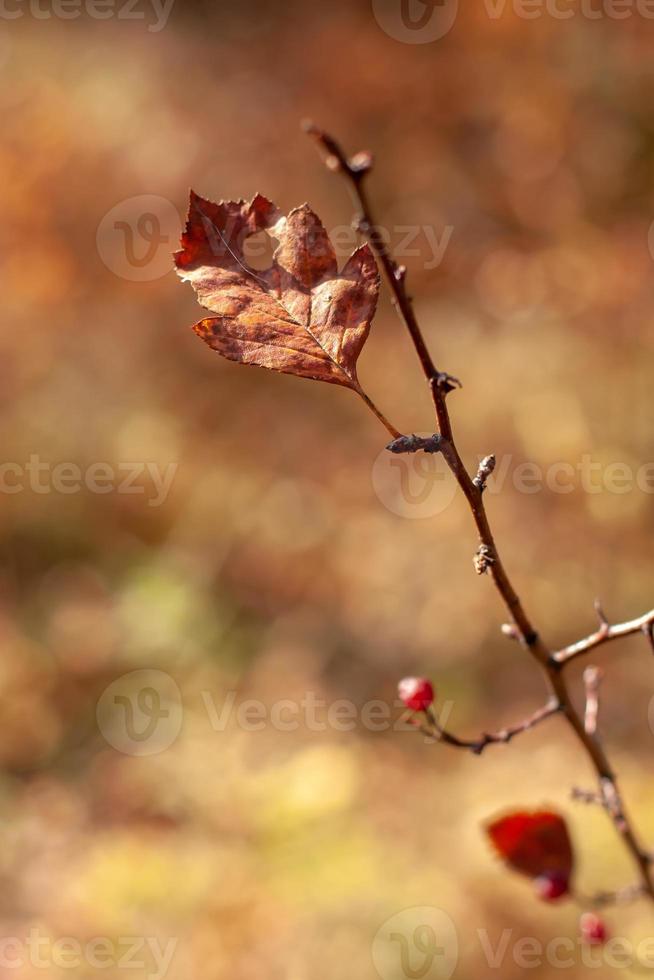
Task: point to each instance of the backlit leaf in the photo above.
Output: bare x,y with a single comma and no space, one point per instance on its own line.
533,843
301,316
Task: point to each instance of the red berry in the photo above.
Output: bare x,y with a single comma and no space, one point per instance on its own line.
416,693
551,885
592,928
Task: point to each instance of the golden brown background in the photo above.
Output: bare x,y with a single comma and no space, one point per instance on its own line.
273,568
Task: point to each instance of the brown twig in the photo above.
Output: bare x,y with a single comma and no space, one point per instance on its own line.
588,796
609,799
601,900
476,746
592,681
605,633
354,170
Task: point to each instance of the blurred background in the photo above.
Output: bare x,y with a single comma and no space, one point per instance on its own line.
212,575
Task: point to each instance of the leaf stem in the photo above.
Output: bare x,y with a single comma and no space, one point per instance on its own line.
380,415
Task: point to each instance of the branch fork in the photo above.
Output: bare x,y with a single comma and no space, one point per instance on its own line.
604,634
354,170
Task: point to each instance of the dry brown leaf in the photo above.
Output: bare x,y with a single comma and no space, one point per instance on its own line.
301,316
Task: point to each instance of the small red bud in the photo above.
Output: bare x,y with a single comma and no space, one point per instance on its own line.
416,693
551,886
593,929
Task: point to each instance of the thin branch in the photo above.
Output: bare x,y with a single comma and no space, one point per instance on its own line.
614,805
609,799
440,383
605,633
354,170
439,734
599,609
592,680
602,900
588,796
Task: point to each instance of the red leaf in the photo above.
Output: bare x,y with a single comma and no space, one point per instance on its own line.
301,316
533,844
